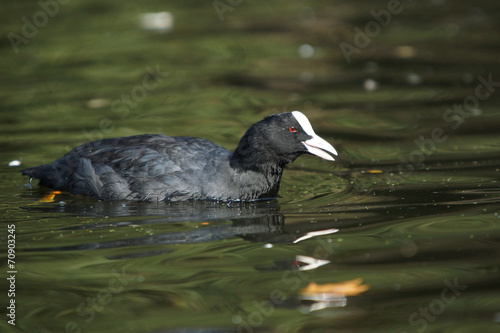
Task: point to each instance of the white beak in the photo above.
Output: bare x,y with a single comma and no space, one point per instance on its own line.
316,145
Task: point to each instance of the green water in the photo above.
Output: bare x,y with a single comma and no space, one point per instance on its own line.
412,106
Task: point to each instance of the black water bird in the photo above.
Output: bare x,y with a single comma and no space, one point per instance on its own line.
156,167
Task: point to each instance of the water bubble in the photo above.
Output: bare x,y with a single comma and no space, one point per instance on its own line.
371,67
409,249
476,112
370,85
306,51
306,77
161,22
413,79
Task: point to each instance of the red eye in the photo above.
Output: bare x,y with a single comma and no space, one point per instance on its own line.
292,129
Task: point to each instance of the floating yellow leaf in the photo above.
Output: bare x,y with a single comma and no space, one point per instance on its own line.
374,171
346,288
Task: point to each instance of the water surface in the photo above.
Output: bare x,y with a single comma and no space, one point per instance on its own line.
400,234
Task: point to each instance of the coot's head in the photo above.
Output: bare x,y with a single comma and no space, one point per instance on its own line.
279,139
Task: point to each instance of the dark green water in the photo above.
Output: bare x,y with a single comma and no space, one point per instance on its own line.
408,93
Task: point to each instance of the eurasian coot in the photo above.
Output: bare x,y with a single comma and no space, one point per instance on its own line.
157,167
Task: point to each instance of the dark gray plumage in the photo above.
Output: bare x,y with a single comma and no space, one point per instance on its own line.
157,167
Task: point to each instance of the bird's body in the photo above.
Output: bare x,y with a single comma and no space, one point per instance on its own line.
156,167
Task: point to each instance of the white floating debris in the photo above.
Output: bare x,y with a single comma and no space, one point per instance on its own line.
311,263
306,51
316,233
162,21
268,246
14,163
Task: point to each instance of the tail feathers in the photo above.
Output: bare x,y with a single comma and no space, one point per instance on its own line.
94,180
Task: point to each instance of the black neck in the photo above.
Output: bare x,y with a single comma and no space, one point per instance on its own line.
258,161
